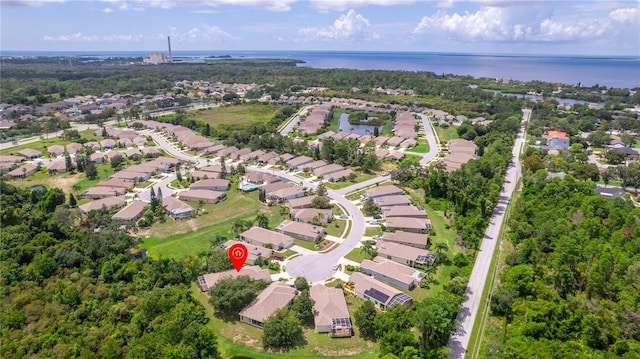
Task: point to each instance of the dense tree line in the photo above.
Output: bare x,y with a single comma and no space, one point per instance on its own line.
572,285
70,288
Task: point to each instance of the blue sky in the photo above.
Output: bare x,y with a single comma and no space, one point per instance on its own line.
477,26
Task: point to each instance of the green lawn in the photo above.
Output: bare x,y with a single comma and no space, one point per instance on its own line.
236,114
177,239
356,255
422,147
46,142
304,244
239,339
288,253
636,145
342,184
372,231
446,134
336,227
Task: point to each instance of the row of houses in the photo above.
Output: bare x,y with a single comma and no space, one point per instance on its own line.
404,126
394,141
316,119
282,238
329,172
459,152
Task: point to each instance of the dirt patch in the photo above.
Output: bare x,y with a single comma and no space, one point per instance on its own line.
63,183
192,224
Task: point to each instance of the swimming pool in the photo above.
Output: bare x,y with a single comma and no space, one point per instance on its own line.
248,187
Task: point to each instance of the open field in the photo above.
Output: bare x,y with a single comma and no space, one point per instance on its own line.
421,147
177,239
361,178
356,255
239,339
46,142
372,231
336,227
236,114
446,134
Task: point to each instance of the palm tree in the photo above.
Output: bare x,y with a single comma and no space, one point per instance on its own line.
442,248
368,249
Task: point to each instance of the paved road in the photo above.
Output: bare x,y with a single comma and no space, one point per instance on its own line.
79,127
434,147
459,341
293,123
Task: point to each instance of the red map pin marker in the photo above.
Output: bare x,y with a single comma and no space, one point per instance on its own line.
238,254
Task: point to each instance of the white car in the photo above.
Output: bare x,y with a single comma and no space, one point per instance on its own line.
335,267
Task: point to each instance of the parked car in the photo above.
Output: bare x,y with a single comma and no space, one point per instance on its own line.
377,216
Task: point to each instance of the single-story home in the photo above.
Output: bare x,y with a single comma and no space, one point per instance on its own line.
409,224
284,157
108,144
73,147
313,165
150,152
312,215
266,157
176,208
23,171
404,211
288,193
301,202
211,185
116,182
382,191
404,254
129,176
391,272
55,150
102,192
330,311
417,240
397,200
321,171
277,295
382,295
107,203
260,178
299,230
208,281
255,252
57,166
337,176
132,212
30,153
207,196
298,162
266,238
96,157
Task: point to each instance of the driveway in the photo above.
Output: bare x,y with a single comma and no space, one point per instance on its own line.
459,341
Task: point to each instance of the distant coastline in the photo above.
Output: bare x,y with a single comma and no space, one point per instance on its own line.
589,70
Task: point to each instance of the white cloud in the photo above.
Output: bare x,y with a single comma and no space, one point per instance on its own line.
80,37
625,15
342,5
532,22
202,33
349,27
271,5
29,3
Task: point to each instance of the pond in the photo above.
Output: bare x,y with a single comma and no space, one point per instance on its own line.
357,129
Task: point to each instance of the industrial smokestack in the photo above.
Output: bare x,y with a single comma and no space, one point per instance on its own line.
169,41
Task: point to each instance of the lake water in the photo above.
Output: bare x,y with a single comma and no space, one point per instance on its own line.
608,71
357,129
561,101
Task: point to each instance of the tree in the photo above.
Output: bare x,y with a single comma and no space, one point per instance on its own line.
67,162
116,161
72,200
218,261
301,284
303,307
397,343
365,320
376,131
321,190
368,249
282,331
321,202
435,320
501,301
231,295
370,208
90,170
615,157
262,220
396,318
532,163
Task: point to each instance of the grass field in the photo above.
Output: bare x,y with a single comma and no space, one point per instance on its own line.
304,244
356,255
446,134
336,227
177,239
361,178
46,142
372,231
239,339
421,147
237,114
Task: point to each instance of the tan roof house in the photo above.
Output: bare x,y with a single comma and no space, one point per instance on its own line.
324,170
132,212
256,252
176,208
102,192
396,200
312,215
330,311
403,254
211,185
208,281
382,295
409,224
205,195
55,150
301,202
30,153
277,295
266,238
23,171
393,273
416,240
382,191
108,203
299,230
404,211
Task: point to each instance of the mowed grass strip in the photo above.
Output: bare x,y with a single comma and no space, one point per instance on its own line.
237,114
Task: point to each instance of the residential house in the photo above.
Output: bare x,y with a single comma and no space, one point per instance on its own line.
417,240
266,157
125,142
208,281
211,185
285,194
313,165
381,153
255,252
55,150
57,166
404,211
280,159
276,296
251,156
394,141
404,254
139,141
557,144
207,196
272,187
387,201
6,167
73,148
408,143
299,230
266,238
133,154
214,149
394,155
330,311
409,224
11,159
325,170
92,145
227,151
23,171
117,183
301,202
391,272
108,144
340,136
132,212
312,215
382,295
130,176
337,176
102,192
176,208
107,203
149,152
260,178
610,192
382,191
325,135
30,153
380,140
239,153
298,163
96,157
